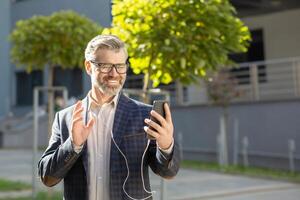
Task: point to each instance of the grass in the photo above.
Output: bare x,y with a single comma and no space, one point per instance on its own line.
249,171
40,196
11,186
6,185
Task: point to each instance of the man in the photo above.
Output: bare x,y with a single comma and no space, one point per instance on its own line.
99,146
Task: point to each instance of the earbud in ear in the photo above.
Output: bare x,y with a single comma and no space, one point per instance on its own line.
128,62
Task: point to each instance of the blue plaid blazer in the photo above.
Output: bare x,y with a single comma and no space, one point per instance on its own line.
61,162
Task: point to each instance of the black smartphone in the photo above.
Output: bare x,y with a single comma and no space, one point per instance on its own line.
158,106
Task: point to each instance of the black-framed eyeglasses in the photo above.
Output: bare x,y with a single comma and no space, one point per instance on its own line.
121,68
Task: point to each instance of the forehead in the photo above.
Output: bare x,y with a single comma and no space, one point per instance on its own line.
111,56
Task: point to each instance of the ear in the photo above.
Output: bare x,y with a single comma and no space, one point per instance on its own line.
88,67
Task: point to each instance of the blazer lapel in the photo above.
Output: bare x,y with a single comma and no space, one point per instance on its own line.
121,118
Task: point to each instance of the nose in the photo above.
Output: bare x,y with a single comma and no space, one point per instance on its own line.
113,72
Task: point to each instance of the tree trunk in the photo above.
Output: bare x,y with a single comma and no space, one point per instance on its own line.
223,137
145,96
50,100
225,110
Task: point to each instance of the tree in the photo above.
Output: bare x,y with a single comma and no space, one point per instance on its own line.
57,40
222,88
178,39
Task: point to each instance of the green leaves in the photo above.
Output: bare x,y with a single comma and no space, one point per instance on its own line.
161,34
58,40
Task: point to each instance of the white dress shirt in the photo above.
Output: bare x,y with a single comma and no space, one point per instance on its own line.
99,142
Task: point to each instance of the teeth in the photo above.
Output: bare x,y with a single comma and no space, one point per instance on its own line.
112,81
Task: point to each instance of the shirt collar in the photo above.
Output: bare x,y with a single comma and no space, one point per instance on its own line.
94,105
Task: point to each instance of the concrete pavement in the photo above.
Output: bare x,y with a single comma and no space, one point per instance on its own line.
188,184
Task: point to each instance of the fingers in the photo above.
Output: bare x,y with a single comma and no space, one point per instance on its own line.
78,109
77,106
157,116
163,121
79,118
90,123
78,112
88,128
154,125
168,113
151,132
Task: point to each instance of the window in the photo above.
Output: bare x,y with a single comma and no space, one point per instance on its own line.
255,53
25,85
71,79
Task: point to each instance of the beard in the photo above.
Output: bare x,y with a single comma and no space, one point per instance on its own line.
105,88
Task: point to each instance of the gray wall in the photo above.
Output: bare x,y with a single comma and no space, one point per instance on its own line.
5,69
268,125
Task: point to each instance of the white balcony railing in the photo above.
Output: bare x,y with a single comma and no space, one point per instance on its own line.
269,80
277,79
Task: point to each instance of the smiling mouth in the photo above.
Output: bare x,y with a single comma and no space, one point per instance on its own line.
113,81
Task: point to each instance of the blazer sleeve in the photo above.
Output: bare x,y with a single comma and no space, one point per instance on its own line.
165,165
58,158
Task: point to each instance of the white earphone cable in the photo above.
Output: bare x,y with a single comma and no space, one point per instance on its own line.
127,166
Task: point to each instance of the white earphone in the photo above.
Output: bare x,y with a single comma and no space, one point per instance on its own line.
127,166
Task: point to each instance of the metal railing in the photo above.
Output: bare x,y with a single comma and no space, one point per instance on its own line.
268,80
277,79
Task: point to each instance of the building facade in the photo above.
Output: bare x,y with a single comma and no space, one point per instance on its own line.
15,84
275,38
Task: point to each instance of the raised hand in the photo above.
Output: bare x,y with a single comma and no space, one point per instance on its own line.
79,130
162,133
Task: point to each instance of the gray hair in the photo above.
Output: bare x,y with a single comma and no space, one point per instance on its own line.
110,42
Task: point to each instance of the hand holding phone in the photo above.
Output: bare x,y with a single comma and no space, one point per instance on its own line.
158,106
